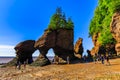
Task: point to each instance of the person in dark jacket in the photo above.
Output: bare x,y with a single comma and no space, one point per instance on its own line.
107,59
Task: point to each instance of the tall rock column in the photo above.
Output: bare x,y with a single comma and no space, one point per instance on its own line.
96,43
64,44
78,48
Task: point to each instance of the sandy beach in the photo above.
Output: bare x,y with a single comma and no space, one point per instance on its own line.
80,71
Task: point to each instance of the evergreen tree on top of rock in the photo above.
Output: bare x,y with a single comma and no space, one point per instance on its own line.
70,24
58,21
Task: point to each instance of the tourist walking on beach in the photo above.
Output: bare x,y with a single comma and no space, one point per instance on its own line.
18,65
84,58
95,58
25,63
68,60
99,57
102,59
107,59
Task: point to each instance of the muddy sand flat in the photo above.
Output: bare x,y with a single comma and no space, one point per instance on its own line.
80,71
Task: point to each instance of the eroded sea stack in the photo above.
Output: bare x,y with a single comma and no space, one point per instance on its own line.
59,36
24,51
78,48
96,44
60,40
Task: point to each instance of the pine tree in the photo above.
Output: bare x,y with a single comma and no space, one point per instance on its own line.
63,21
58,20
70,24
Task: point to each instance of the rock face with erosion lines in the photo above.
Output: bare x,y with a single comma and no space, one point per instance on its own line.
115,30
99,49
78,48
24,51
96,43
60,40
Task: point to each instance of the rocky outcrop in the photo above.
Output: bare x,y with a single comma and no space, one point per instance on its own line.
78,48
24,51
115,26
96,43
60,40
99,49
115,30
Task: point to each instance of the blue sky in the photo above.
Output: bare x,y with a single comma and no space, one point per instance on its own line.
27,19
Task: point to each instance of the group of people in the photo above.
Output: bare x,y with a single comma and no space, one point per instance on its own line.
56,60
19,64
101,58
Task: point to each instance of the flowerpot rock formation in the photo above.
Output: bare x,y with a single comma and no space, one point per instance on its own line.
60,40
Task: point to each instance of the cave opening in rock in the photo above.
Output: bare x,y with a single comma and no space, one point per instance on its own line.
50,54
35,55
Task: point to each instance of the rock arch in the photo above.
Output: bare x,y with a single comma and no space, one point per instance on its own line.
61,41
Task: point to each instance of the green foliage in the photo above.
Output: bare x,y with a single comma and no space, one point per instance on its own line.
70,24
116,5
58,20
106,37
100,23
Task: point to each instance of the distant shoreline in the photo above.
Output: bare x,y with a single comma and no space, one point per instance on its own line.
6,59
15,56
2,64
7,56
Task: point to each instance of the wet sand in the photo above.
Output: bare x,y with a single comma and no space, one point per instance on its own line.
80,71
